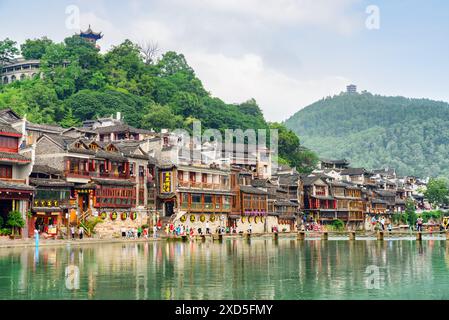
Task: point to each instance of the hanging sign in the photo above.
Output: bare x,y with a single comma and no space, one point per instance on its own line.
166,182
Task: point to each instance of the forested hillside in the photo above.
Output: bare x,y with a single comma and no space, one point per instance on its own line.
374,131
80,83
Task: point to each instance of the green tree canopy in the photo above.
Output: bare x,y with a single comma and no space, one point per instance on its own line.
8,51
437,192
35,49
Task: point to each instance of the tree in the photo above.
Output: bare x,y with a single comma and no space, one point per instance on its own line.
161,117
149,51
15,221
172,63
437,192
290,149
69,120
35,49
8,51
410,214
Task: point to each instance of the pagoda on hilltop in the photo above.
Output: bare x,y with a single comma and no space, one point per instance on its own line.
91,36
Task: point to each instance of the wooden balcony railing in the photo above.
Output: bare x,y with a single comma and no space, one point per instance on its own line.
87,174
18,181
203,185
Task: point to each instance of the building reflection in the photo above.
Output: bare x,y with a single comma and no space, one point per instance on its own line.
234,269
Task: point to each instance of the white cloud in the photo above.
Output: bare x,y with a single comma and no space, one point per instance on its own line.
332,14
201,29
236,79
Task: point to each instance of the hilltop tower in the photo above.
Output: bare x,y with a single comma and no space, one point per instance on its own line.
91,36
351,89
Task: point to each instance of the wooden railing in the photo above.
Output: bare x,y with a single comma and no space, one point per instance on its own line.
19,181
203,185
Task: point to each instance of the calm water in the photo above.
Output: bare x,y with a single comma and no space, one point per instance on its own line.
235,269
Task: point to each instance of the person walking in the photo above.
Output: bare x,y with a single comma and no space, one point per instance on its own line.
139,232
250,229
419,222
373,223
155,232
207,227
81,233
382,223
72,231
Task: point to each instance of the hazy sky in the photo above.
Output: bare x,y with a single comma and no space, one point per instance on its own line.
284,53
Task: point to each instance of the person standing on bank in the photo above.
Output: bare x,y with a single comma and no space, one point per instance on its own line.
81,233
72,231
420,223
207,228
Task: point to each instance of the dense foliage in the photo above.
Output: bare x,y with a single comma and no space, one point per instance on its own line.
80,83
437,192
374,131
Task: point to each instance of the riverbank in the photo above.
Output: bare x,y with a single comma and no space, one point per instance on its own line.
333,236
30,243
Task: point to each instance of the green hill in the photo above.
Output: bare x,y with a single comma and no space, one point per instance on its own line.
373,131
79,83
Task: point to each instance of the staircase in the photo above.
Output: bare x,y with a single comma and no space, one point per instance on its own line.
82,222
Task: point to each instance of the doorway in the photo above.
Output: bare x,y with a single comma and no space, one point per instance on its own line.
169,208
5,209
83,202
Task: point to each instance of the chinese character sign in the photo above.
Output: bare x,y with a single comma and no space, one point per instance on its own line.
166,182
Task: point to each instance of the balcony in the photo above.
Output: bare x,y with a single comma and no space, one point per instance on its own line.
14,181
77,174
203,185
206,207
110,175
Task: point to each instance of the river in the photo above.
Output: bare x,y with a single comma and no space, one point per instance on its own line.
235,269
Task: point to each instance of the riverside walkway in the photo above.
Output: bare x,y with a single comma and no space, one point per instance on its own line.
299,236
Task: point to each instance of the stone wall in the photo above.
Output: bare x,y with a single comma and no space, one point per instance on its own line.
257,227
198,224
112,228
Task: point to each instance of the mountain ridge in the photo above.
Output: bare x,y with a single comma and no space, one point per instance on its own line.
374,131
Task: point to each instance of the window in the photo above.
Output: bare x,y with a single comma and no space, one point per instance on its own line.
5,172
141,172
196,198
9,144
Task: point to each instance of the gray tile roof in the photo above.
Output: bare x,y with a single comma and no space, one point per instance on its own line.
15,186
251,190
4,127
14,156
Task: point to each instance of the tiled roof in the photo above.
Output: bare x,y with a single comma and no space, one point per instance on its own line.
385,193
46,170
50,183
4,127
289,179
115,182
251,190
120,128
308,181
63,141
15,186
14,157
44,127
354,171
342,161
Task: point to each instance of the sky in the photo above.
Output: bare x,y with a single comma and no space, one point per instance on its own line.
286,54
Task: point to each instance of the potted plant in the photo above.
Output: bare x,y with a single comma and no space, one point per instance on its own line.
16,222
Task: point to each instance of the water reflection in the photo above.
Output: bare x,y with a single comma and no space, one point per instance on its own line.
235,269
